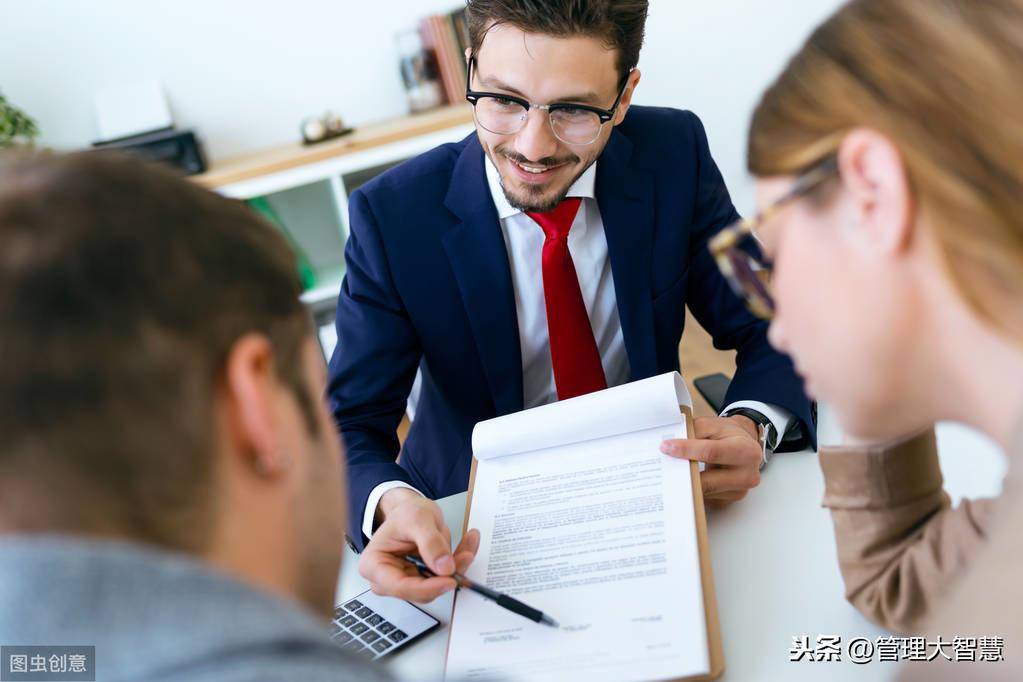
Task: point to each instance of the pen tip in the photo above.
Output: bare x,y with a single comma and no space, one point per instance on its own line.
547,620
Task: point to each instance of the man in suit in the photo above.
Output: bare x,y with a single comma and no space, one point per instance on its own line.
171,485
548,255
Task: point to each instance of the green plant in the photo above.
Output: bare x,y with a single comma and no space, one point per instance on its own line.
16,127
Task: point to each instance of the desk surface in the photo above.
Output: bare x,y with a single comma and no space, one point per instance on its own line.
775,572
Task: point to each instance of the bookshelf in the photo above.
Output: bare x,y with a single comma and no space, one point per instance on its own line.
305,189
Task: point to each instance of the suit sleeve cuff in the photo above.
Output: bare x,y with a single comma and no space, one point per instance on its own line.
881,476
780,417
374,499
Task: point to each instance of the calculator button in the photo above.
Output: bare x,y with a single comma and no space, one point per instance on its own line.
352,646
370,637
375,619
385,627
366,652
398,636
348,621
342,637
353,605
382,646
359,628
364,612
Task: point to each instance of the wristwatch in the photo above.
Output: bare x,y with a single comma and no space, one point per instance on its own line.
766,432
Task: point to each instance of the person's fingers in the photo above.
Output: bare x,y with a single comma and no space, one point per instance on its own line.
433,545
470,541
709,427
738,451
422,590
717,428
396,582
438,516
717,481
466,550
391,575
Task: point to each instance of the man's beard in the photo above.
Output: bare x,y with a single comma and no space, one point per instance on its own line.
534,200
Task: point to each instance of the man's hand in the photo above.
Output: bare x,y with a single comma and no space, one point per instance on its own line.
413,524
730,447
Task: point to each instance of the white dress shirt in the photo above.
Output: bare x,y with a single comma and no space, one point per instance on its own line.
587,244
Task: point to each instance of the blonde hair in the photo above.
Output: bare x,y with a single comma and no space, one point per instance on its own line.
942,79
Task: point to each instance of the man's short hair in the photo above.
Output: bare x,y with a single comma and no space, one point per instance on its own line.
620,24
123,288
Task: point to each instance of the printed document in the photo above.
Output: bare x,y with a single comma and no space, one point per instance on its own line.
582,517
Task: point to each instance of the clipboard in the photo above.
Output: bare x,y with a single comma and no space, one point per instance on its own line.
716,653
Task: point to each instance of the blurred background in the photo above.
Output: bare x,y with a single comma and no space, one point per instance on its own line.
244,76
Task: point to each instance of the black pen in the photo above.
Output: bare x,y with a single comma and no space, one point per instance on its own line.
502,600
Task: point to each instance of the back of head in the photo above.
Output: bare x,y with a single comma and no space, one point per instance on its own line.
941,79
122,289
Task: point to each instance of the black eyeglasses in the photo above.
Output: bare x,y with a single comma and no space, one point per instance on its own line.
738,255
504,114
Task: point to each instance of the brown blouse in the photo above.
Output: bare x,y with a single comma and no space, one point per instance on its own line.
914,564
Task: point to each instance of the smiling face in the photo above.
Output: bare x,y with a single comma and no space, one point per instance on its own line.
536,168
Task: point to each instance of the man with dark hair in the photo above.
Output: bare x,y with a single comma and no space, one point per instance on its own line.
170,479
549,254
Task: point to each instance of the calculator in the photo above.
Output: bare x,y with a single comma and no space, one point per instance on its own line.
373,626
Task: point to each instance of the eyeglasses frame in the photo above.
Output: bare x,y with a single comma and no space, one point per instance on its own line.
724,244
605,115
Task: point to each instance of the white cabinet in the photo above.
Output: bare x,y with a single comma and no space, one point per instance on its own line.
305,189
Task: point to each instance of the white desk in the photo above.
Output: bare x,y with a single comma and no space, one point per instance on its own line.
774,567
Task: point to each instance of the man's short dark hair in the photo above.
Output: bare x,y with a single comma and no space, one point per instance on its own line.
620,24
123,288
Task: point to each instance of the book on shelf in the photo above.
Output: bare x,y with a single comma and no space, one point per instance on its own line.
446,36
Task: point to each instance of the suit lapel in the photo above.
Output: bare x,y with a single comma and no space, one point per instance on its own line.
625,195
479,260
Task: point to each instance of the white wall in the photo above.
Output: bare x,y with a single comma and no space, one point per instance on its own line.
716,58
244,74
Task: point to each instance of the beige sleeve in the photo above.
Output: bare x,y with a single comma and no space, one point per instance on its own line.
900,543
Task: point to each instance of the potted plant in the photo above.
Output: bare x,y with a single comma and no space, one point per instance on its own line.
16,127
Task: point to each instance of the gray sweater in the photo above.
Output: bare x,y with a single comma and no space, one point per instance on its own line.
156,615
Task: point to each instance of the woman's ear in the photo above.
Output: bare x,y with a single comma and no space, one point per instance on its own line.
874,176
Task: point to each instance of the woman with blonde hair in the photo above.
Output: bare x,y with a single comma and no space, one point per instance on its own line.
889,166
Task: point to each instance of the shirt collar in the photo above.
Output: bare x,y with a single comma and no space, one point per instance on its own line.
582,187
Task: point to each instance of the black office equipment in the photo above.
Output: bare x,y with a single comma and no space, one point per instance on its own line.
177,148
713,388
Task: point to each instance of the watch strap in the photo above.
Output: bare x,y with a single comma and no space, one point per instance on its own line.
770,432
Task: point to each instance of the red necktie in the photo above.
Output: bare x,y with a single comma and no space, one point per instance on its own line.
574,354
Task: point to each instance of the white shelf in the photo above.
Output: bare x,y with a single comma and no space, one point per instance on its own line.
286,175
336,167
328,286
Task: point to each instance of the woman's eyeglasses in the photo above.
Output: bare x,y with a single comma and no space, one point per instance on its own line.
737,251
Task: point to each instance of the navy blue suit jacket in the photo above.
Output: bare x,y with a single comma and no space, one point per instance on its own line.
429,286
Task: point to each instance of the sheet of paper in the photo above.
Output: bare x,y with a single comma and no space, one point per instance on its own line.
635,406
601,536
